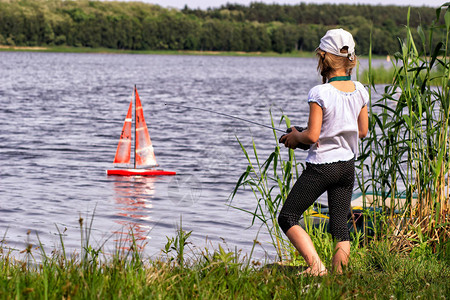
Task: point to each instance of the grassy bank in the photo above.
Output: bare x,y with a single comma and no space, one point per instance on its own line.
64,49
383,75
374,272
378,75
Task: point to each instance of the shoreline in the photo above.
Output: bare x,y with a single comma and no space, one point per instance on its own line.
64,49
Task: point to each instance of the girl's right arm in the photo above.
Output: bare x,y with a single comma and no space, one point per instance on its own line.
311,134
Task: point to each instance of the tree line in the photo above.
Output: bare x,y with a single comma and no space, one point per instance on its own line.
231,27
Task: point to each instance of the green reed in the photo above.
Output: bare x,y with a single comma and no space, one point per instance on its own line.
406,154
270,181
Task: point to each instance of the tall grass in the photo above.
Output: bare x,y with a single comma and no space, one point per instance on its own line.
214,273
270,182
378,75
385,75
407,151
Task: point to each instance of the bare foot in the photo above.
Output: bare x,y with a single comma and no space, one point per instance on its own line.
315,272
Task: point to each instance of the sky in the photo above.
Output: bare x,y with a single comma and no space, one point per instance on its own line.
203,4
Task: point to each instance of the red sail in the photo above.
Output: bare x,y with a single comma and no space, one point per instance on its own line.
145,156
124,147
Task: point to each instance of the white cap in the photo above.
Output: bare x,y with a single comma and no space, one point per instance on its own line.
336,39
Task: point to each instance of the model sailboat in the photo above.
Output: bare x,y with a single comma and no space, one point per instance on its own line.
144,157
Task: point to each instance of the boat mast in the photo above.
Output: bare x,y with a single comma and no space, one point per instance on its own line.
135,126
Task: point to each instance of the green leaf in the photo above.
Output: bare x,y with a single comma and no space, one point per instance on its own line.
407,120
438,13
447,19
238,184
421,33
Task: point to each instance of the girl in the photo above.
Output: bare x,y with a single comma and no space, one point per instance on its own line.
337,117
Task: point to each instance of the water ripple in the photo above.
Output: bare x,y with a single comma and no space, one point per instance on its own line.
61,118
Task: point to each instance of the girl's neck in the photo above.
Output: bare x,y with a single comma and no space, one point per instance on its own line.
337,73
344,83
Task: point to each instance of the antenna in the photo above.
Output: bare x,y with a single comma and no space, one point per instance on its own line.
226,115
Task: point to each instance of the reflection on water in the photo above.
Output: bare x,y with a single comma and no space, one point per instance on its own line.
133,198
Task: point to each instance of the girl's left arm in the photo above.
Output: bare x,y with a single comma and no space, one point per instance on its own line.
363,122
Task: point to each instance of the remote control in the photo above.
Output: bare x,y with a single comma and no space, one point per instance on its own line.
300,145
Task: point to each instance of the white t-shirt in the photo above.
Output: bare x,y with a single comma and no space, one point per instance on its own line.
338,140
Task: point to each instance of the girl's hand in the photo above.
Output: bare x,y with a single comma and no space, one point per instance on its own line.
311,134
292,139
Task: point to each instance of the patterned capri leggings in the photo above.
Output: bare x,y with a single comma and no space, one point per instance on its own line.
337,179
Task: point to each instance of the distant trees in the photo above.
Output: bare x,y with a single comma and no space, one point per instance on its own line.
232,27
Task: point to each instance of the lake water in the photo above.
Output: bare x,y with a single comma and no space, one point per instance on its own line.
60,119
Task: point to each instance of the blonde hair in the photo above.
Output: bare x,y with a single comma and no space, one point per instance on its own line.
329,62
